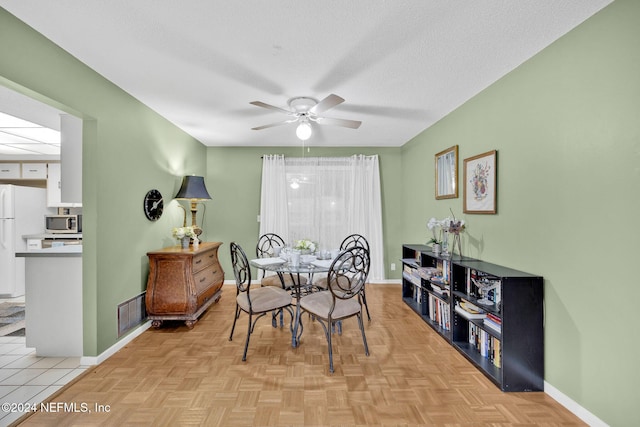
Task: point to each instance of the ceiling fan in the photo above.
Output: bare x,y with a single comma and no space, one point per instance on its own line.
304,110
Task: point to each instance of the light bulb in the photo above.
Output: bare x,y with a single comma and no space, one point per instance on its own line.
303,131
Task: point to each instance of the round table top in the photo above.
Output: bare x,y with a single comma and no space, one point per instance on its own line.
281,265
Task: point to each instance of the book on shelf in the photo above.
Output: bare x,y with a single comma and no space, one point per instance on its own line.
497,353
411,275
495,318
489,347
439,312
468,313
427,272
444,291
492,324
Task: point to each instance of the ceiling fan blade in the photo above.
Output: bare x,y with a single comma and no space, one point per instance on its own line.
327,103
353,124
272,125
270,107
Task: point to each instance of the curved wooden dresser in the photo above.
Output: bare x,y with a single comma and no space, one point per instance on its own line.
183,283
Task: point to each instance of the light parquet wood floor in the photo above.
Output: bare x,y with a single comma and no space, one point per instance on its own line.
179,377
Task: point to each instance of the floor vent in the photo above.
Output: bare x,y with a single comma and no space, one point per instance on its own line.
131,313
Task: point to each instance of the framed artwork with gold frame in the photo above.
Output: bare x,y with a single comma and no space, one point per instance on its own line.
447,173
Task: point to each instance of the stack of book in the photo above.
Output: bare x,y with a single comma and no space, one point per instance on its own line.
469,311
493,322
411,274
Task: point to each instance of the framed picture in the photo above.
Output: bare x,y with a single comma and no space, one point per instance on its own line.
447,173
480,184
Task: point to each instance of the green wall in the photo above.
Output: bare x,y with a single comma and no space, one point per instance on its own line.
234,180
566,125
127,150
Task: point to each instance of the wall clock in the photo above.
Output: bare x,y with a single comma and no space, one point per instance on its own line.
153,205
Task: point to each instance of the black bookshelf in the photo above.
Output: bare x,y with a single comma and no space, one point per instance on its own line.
429,297
512,355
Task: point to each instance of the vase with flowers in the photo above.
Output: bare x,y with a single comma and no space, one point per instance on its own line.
455,227
436,239
441,230
305,246
184,235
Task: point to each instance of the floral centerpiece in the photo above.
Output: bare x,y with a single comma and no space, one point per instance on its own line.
184,235
433,224
181,232
440,230
305,246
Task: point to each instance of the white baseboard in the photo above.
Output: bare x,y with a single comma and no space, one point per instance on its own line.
573,407
91,360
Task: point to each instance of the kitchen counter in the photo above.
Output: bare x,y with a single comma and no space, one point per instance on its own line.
58,251
53,298
53,236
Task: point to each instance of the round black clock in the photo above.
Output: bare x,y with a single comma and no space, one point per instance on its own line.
153,205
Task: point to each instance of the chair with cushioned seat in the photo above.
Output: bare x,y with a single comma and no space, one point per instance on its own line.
265,249
346,278
350,241
256,301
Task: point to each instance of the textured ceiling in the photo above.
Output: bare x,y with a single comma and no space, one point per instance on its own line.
400,65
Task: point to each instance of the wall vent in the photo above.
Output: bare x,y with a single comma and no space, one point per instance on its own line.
131,313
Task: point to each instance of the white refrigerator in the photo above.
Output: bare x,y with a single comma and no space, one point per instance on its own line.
22,212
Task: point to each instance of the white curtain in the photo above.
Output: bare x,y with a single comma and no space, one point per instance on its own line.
324,199
273,197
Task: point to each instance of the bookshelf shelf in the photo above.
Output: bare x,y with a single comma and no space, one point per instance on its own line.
493,315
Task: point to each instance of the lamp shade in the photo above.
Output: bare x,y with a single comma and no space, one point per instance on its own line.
193,188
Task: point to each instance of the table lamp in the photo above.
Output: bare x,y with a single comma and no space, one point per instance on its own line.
194,190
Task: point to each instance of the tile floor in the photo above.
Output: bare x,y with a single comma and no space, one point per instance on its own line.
27,378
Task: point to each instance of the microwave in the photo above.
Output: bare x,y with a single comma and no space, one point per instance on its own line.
63,223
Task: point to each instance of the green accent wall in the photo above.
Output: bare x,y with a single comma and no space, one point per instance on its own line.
234,181
127,150
566,125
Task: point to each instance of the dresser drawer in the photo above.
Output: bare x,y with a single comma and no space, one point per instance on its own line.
9,170
204,279
34,171
203,260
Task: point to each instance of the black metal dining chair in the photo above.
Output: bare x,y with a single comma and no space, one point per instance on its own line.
257,301
265,249
342,299
351,241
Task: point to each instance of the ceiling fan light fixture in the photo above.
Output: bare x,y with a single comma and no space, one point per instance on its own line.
303,131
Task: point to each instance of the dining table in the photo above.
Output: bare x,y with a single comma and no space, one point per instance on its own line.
283,266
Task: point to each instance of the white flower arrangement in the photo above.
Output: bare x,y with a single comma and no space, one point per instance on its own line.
181,232
433,224
305,245
448,224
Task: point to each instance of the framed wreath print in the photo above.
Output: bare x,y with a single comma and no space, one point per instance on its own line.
480,184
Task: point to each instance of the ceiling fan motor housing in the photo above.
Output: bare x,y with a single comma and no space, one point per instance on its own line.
302,104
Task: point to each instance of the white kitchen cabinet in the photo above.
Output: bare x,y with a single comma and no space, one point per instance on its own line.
54,188
9,170
34,171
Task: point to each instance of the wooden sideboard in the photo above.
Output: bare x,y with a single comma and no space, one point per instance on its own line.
183,283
